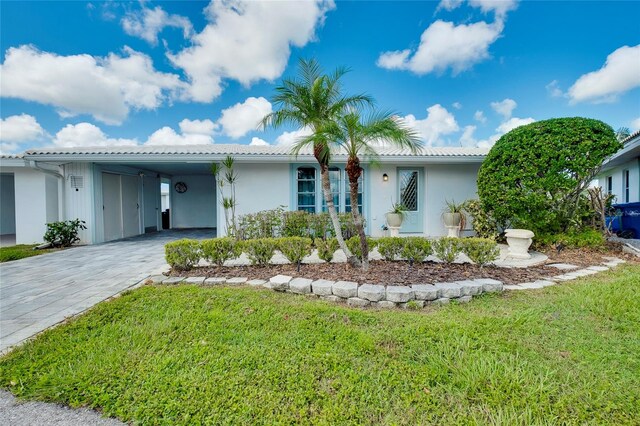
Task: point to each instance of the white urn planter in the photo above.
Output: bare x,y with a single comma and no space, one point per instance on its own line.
519,241
394,220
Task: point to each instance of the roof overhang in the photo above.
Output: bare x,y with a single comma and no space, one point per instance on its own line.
629,152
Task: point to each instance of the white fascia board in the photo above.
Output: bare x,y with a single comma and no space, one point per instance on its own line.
252,158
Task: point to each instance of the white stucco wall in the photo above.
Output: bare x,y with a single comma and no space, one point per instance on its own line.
36,204
259,187
195,208
441,182
618,183
7,204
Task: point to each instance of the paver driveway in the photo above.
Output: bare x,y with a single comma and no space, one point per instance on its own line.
40,291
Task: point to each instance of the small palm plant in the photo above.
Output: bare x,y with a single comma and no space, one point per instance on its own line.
359,136
313,100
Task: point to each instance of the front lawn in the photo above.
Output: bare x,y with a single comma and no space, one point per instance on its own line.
20,251
567,354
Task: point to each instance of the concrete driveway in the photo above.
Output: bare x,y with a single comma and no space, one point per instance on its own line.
40,291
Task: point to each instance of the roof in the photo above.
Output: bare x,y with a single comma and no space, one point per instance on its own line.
217,151
629,151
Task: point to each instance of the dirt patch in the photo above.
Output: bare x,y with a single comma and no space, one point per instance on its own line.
402,273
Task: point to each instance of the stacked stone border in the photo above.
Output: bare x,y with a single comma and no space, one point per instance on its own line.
390,296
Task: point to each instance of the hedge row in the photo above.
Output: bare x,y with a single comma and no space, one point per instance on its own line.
184,254
281,223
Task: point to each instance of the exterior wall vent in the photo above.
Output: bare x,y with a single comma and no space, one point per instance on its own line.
77,182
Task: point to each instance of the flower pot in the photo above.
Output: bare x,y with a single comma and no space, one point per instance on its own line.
452,219
394,220
519,241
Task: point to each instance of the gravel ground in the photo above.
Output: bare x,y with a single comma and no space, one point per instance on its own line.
15,413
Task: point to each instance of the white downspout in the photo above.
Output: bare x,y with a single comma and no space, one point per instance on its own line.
61,203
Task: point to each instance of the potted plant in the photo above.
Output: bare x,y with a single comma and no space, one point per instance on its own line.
396,215
453,215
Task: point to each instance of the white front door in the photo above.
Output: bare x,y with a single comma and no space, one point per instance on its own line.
111,206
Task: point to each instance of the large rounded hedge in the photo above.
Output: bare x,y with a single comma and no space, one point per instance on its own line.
534,175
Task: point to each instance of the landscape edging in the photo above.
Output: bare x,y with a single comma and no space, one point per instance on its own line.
389,296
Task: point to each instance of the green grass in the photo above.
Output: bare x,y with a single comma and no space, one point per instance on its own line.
19,252
568,354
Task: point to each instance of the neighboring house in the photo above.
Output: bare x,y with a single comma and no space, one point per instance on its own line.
620,176
117,190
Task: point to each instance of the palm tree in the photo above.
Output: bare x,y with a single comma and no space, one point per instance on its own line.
356,136
312,100
622,133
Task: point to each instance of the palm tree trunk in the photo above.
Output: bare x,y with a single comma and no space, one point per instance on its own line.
333,214
353,172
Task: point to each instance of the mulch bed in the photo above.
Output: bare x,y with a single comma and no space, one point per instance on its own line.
402,273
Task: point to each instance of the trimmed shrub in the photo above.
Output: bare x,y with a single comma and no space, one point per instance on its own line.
484,224
295,224
415,249
347,225
320,226
353,244
447,248
480,250
182,254
533,176
591,238
326,248
390,247
263,224
64,234
260,250
219,250
295,248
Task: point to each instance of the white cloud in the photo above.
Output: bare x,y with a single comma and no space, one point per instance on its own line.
86,135
437,123
444,45
619,74
554,89
457,105
241,118
148,23
20,128
505,107
467,138
192,132
247,41
512,123
635,124
289,138
258,142
449,4
106,88
479,117
499,7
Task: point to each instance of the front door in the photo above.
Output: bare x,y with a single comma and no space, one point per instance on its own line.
410,194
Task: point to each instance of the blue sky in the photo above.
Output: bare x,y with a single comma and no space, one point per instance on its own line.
461,72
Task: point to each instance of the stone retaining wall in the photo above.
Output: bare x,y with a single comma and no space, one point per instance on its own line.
390,296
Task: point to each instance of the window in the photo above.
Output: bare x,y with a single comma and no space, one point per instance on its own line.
625,183
347,194
307,189
409,189
334,180
309,196
609,185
